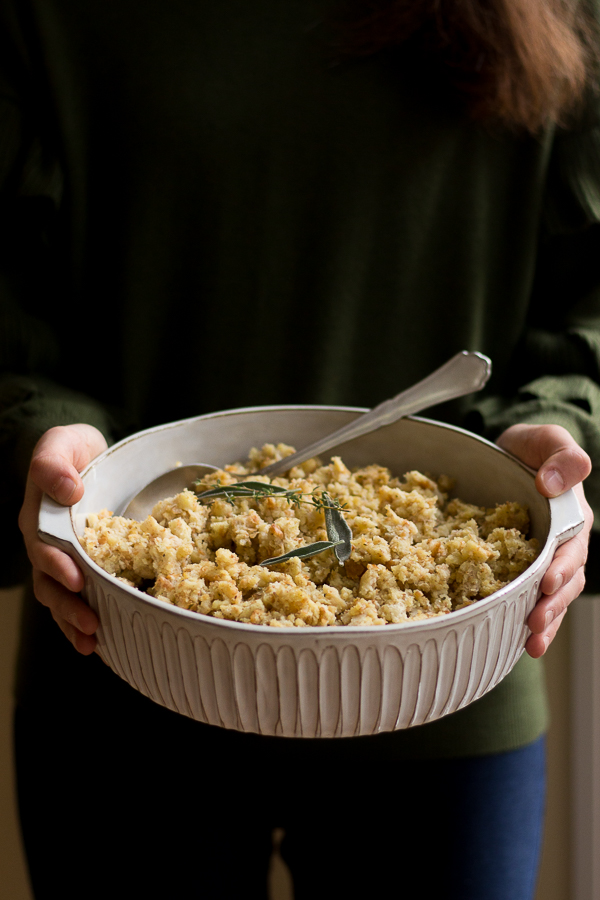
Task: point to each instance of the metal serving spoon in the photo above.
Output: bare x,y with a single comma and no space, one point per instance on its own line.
463,374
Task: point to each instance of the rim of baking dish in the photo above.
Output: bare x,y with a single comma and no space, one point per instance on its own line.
474,610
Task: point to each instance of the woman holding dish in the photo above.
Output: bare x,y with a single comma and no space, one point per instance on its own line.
275,203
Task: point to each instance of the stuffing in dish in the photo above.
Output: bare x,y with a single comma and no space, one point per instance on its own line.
414,553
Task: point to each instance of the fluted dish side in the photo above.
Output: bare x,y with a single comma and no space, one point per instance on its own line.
296,686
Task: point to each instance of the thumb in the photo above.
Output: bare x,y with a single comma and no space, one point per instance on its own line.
59,456
560,461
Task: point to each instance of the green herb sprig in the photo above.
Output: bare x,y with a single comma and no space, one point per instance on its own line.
302,552
338,530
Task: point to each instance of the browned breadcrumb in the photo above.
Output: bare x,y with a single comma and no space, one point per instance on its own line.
414,554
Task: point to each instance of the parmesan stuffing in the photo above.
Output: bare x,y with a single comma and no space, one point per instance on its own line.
414,553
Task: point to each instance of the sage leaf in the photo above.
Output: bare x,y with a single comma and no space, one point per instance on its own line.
302,552
338,530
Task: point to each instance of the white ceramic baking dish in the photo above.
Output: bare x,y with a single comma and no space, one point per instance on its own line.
310,682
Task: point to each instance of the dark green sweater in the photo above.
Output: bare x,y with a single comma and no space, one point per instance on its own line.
201,209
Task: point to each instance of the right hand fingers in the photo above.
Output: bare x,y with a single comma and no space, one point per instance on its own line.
56,581
72,615
55,564
59,456
57,459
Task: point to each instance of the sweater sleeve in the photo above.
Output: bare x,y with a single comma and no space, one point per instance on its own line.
555,370
31,192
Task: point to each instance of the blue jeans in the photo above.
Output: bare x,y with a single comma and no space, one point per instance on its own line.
120,797
464,829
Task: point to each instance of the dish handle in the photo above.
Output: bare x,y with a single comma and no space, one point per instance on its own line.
55,527
566,517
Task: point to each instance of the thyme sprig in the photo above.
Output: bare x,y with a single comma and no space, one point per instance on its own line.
258,490
338,530
250,489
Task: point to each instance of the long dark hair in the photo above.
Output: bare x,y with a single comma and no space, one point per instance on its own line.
524,63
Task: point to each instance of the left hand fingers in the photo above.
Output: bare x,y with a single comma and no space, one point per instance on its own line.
561,464
571,555
560,461
537,644
563,582
552,607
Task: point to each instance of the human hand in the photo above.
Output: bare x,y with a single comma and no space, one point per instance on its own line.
57,459
561,464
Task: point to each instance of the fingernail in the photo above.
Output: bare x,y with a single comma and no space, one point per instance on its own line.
553,482
74,621
558,583
549,619
63,489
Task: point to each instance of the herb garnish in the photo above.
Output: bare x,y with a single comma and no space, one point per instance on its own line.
302,552
338,530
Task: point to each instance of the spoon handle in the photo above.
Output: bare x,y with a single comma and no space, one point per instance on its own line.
462,374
